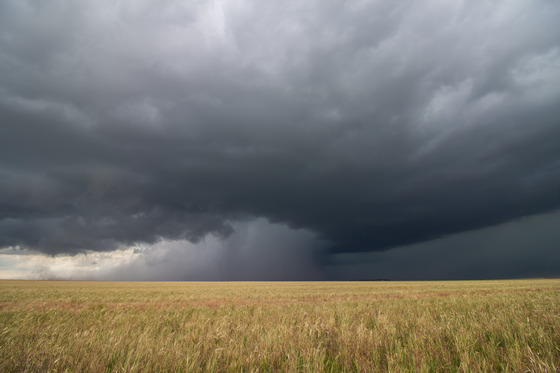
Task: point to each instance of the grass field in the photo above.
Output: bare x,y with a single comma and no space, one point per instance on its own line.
280,326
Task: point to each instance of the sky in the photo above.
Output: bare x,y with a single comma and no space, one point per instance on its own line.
260,140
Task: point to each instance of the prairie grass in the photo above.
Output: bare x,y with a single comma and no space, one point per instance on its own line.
510,326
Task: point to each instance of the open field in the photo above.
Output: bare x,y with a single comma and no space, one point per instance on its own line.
280,326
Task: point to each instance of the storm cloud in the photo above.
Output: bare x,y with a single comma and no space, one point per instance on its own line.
368,124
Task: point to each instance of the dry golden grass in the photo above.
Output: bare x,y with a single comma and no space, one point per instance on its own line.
280,326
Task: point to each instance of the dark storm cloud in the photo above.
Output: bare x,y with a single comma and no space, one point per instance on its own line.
523,248
372,125
256,250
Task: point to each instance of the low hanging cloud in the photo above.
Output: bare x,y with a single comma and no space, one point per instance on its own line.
371,125
257,250
523,248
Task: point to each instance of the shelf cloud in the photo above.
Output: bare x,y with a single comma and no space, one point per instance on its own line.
369,125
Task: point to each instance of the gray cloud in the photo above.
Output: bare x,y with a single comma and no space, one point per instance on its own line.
372,125
523,248
256,250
